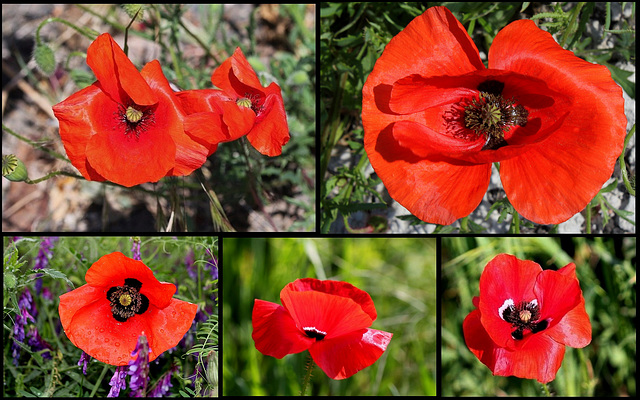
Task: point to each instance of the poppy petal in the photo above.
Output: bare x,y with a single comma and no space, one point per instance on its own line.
540,359
343,356
271,131
583,150
328,313
505,277
575,327
435,191
112,270
169,116
235,75
274,331
117,75
76,116
239,120
557,295
112,342
336,288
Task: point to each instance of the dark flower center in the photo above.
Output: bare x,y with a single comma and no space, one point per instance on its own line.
135,119
127,301
491,115
522,316
314,333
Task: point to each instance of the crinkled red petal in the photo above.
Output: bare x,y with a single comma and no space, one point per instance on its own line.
539,359
336,288
343,356
274,331
271,130
85,314
582,151
505,277
117,75
112,269
235,75
78,123
190,154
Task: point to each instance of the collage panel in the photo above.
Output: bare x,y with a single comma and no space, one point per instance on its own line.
538,316
329,316
110,316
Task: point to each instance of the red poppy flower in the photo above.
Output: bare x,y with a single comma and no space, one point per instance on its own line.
242,107
524,318
121,301
328,318
435,120
128,126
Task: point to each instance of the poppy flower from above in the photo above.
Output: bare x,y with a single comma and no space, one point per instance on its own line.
524,318
128,126
121,301
331,319
241,107
435,119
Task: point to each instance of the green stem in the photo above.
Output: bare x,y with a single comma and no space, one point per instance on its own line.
34,144
623,167
587,218
89,33
307,375
99,381
516,221
546,390
51,175
126,33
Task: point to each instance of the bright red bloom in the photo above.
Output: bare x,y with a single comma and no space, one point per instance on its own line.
435,119
524,318
128,126
121,301
242,107
328,318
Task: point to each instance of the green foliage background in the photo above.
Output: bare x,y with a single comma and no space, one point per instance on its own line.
399,274
72,257
606,270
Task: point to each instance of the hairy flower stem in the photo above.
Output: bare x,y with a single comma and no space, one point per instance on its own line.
307,376
546,390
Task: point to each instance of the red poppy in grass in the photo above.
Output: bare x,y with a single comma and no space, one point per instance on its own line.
128,126
121,301
242,107
435,119
331,319
524,318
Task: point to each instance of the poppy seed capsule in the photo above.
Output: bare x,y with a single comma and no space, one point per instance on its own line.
244,102
133,115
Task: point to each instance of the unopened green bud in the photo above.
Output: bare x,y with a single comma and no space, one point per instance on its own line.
134,11
13,169
45,59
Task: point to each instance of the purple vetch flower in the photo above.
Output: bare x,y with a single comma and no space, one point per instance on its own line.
139,368
135,248
117,382
189,260
37,343
25,306
212,265
164,383
84,361
42,259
